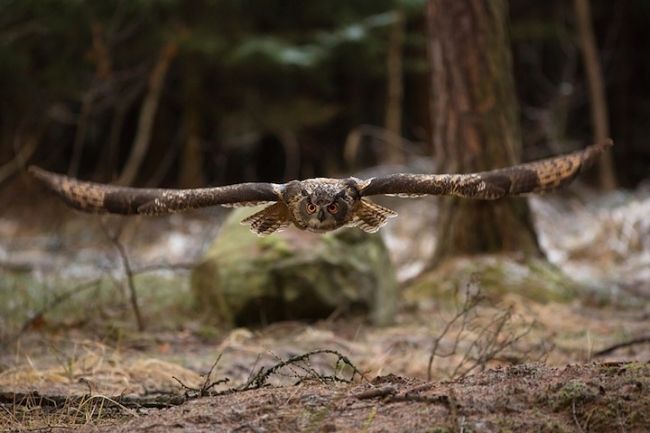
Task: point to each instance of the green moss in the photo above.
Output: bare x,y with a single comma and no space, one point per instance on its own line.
245,279
497,276
572,391
163,300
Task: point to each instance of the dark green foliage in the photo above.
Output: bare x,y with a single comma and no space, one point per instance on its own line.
263,68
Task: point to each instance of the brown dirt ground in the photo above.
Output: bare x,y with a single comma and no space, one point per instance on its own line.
582,397
609,397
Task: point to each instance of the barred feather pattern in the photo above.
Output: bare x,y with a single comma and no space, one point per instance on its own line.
370,216
271,219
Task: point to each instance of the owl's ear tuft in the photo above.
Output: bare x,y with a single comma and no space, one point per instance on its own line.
370,216
271,219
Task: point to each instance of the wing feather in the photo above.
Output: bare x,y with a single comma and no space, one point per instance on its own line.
370,216
532,177
271,219
100,198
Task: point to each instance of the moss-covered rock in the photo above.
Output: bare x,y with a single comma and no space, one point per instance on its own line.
496,275
245,279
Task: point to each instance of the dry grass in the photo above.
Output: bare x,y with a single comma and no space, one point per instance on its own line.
603,244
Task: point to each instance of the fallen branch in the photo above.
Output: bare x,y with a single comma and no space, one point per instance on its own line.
161,400
633,342
260,379
34,398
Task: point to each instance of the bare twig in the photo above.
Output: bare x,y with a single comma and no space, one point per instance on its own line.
82,287
469,303
206,386
56,301
453,410
575,416
633,342
26,151
488,342
260,379
114,237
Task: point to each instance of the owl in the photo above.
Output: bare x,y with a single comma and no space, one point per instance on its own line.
322,204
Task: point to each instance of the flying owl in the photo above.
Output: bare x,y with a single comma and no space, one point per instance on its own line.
322,204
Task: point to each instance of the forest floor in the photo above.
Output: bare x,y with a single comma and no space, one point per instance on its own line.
512,352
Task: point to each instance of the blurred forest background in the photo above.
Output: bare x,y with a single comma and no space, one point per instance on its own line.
175,93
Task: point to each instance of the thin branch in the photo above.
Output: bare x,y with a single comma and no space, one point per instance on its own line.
470,302
22,156
115,239
206,386
633,342
82,287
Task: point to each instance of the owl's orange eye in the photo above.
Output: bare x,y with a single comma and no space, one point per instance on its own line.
332,208
311,208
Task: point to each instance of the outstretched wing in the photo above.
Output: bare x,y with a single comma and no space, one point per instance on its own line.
97,197
535,176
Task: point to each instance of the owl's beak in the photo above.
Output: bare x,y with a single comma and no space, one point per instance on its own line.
321,215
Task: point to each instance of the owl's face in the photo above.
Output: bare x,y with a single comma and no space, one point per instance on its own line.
321,205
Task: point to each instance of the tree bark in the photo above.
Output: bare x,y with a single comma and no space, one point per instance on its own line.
596,84
191,173
148,113
475,124
395,90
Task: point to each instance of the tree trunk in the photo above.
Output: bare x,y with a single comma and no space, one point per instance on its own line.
475,124
148,113
191,173
596,84
394,90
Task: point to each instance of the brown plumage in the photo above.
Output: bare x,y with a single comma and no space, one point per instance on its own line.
323,204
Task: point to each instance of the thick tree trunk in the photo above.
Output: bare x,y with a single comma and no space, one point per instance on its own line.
475,124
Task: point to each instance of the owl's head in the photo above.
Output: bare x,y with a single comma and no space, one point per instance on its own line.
321,205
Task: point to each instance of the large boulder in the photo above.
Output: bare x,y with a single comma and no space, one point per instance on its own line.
245,279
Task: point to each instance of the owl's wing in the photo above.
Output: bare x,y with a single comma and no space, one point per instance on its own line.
97,197
531,177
